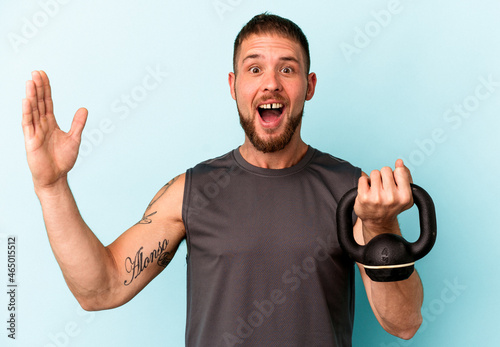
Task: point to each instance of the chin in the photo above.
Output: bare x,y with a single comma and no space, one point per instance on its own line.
273,143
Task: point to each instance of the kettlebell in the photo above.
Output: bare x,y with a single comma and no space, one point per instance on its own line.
388,257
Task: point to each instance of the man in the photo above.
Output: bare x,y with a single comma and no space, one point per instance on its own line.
264,266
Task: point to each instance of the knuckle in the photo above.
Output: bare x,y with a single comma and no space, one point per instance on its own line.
405,198
362,197
390,199
402,171
375,200
365,199
375,175
386,169
408,198
362,179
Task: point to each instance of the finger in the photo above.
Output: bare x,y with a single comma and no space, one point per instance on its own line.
31,97
388,182
78,124
27,122
47,96
375,182
363,184
402,177
363,192
37,79
47,93
402,174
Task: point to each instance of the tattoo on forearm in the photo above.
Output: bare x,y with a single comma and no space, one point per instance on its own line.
147,214
138,264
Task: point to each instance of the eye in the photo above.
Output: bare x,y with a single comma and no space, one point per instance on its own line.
254,69
287,70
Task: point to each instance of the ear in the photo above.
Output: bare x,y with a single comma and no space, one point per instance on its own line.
311,85
232,81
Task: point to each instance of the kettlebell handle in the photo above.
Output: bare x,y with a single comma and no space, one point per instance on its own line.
417,250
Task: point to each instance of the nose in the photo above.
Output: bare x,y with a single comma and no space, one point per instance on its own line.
271,82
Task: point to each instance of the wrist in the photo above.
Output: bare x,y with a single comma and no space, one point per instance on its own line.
374,228
51,190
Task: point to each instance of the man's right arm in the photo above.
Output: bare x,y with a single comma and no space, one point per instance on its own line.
99,277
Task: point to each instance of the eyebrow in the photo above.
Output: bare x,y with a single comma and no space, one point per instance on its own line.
257,56
251,56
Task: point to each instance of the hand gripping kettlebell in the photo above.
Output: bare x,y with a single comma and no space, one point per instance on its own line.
388,257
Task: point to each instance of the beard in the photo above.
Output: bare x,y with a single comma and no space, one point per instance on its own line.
273,144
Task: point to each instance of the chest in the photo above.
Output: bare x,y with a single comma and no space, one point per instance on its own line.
265,218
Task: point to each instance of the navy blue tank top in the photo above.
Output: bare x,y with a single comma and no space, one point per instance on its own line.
264,267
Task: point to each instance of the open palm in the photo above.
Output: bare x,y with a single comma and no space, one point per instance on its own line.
51,152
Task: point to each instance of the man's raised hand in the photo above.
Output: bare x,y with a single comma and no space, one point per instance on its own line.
51,152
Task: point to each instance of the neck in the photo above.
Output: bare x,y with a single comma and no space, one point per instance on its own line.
287,157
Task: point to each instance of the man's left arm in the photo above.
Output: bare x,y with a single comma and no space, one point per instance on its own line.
381,197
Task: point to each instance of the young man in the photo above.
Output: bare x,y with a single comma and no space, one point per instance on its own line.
264,265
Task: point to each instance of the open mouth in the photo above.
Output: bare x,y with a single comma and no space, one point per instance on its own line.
271,112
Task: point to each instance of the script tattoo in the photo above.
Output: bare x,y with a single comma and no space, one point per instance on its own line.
138,264
147,214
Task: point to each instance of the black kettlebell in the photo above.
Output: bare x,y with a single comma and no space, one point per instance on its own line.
388,257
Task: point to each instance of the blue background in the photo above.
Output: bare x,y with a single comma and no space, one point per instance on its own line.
392,79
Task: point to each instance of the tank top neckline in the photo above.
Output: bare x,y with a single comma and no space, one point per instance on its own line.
273,172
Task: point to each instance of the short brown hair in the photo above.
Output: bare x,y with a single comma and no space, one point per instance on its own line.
266,23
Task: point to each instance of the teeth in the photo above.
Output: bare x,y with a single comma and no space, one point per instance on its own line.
271,106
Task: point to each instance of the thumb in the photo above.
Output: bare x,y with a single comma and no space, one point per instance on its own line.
402,173
78,123
399,163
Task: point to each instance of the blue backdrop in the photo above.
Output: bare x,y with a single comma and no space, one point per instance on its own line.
396,78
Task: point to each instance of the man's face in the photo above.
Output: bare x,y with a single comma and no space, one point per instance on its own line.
270,87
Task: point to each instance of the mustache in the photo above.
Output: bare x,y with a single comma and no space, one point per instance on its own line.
272,96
